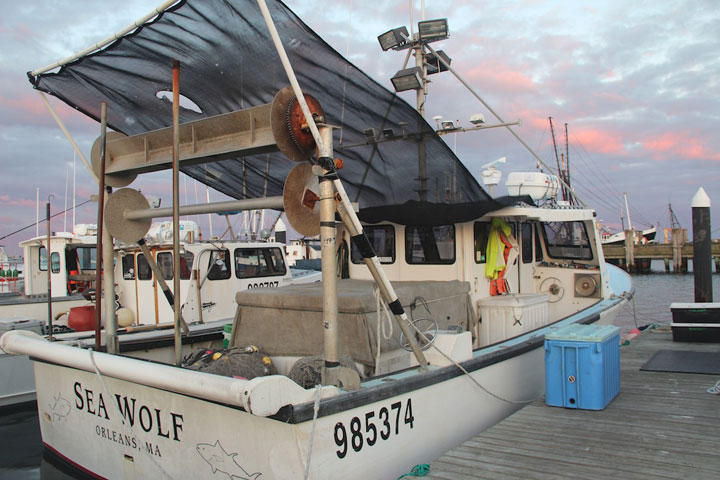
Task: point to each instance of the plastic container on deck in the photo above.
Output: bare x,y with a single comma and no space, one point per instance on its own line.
82,319
582,366
507,316
227,335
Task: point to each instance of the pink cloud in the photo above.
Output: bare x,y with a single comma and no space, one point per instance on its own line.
29,103
673,145
502,77
601,141
16,202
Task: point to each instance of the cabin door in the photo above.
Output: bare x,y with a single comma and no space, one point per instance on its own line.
147,312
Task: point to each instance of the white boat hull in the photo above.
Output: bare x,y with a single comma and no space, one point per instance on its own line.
176,435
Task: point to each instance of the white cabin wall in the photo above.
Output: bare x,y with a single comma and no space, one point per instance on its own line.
400,270
36,279
31,270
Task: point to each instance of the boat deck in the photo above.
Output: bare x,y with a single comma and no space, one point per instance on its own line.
661,425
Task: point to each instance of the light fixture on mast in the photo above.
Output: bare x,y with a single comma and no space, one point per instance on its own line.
414,78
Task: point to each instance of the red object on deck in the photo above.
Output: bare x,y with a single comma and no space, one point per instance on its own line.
82,319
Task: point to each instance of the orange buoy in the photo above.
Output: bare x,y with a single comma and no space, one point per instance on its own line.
82,319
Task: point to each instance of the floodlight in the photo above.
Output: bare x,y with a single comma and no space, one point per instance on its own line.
388,132
447,125
369,133
408,79
434,65
433,30
395,39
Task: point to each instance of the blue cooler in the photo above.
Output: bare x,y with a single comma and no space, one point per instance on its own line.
582,366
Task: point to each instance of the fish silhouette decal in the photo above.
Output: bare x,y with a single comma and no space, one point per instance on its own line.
60,408
223,462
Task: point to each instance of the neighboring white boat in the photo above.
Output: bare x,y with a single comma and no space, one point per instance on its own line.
646,236
472,283
211,272
72,258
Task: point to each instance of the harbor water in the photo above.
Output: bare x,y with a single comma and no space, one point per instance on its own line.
22,454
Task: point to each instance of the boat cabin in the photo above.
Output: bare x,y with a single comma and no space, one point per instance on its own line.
210,273
498,277
72,262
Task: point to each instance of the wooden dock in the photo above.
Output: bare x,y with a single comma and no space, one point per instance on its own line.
661,426
635,254
677,254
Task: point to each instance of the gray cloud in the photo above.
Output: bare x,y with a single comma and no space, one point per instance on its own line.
637,83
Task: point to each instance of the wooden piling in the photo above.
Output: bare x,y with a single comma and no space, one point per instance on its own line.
702,264
677,244
629,250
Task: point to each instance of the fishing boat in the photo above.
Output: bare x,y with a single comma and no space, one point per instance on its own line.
428,324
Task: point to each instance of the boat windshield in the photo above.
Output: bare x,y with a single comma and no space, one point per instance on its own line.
567,240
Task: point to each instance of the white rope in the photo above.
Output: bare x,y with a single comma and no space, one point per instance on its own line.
521,402
316,408
122,417
384,324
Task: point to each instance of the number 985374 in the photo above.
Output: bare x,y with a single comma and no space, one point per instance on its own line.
373,426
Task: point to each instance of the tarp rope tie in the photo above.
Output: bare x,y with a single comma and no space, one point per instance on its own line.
417,471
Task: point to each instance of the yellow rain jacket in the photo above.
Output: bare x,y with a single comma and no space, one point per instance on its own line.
495,260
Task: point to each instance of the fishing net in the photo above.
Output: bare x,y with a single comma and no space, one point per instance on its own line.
307,371
239,362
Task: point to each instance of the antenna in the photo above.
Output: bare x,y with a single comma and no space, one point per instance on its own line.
491,175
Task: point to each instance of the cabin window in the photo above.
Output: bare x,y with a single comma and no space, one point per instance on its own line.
143,268
55,262
186,261
482,231
430,245
219,265
567,240
382,239
165,264
128,267
538,245
86,257
258,262
527,242
42,264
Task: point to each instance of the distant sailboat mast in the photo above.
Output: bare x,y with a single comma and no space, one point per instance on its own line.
627,210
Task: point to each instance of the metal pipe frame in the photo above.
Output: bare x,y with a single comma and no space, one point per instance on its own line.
215,207
176,208
100,224
345,207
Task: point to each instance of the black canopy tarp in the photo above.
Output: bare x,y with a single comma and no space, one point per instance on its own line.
228,62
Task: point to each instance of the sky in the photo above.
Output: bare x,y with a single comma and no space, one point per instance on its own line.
638,84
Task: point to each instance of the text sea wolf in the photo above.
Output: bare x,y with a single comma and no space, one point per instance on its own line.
149,419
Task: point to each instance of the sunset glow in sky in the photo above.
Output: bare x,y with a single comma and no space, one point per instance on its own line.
637,83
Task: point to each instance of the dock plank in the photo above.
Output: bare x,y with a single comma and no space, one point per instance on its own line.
661,425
